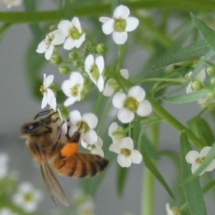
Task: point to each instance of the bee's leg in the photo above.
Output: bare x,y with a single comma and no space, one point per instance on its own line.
42,113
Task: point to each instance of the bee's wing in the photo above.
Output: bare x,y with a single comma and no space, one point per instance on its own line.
47,185
51,183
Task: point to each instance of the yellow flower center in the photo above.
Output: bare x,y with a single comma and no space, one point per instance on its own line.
84,126
74,33
42,89
125,152
74,91
119,25
131,104
28,197
200,160
113,84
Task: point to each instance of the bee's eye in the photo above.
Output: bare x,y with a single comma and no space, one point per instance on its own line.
32,126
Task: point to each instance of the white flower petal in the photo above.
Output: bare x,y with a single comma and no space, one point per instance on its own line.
126,143
204,152
125,115
114,147
59,38
118,100
108,89
211,166
100,83
90,137
192,156
49,52
76,23
64,26
137,92
99,142
144,108
131,24
49,80
120,37
91,120
124,73
123,161
41,47
66,87
97,151
201,75
136,157
70,43
107,27
44,101
89,61
69,101
104,19
121,11
80,40
194,167
75,117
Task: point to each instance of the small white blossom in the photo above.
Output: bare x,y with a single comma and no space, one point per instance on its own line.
27,197
95,148
116,132
73,88
119,25
7,211
73,31
112,85
172,211
47,45
126,152
94,66
87,122
12,3
196,159
3,165
48,95
132,103
198,79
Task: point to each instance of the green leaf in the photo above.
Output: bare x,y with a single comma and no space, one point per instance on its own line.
207,32
208,186
201,129
149,164
192,189
121,179
188,97
194,50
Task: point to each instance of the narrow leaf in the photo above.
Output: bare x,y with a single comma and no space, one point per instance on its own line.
192,189
207,32
201,129
194,50
188,97
149,164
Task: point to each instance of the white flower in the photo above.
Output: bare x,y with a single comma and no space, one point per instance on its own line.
73,88
95,148
3,165
126,152
86,208
12,3
47,45
132,103
116,132
48,95
195,158
120,24
87,122
198,80
95,67
172,211
112,85
7,211
27,197
72,30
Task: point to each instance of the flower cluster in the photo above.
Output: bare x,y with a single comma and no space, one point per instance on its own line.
89,70
196,159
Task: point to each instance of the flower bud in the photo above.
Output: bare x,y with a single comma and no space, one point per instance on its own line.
212,81
76,63
73,55
64,69
56,59
211,70
101,48
211,95
197,85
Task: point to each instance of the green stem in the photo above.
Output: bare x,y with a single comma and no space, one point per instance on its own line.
161,79
148,178
160,111
100,9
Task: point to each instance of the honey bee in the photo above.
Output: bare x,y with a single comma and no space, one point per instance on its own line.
56,151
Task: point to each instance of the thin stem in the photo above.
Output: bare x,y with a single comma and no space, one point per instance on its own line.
148,178
160,111
161,79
